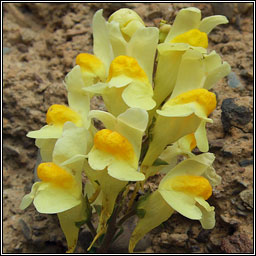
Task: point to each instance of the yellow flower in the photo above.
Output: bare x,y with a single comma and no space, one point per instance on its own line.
60,187
124,34
190,29
185,114
117,147
180,69
184,189
57,115
129,22
114,158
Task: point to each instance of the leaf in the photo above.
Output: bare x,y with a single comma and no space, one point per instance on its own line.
140,213
159,162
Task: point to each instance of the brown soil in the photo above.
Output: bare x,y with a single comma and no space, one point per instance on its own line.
41,41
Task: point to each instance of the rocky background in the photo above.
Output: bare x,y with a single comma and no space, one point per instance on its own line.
40,43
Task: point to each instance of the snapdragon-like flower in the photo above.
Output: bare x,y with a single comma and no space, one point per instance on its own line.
188,27
184,189
57,115
60,187
185,114
196,67
117,147
124,34
180,69
127,86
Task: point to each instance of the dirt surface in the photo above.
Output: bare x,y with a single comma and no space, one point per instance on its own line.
41,41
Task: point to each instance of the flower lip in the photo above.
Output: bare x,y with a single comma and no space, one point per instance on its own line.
192,185
60,114
114,143
201,96
193,37
89,62
54,174
128,66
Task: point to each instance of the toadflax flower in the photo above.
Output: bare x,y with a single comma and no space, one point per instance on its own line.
184,189
188,32
124,34
117,147
190,29
60,187
180,70
57,115
185,114
114,157
127,86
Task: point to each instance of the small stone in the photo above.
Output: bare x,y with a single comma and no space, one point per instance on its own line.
233,114
233,80
178,239
246,162
247,198
6,50
10,151
25,229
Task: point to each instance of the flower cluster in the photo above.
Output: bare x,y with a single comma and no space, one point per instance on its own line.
152,119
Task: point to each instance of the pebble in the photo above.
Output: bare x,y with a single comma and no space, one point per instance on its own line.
25,229
233,114
233,80
6,50
247,198
178,239
246,162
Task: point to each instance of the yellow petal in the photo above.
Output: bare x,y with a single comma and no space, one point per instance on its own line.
60,114
201,137
156,212
209,23
126,66
74,141
208,213
191,73
81,104
89,63
132,125
98,159
28,199
191,185
139,95
113,143
54,174
101,42
144,40
47,132
182,203
186,19
53,199
166,74
167,130
113,101
74,80
201,96
121,170
128,21
46,147
196,165
68,221
118,43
